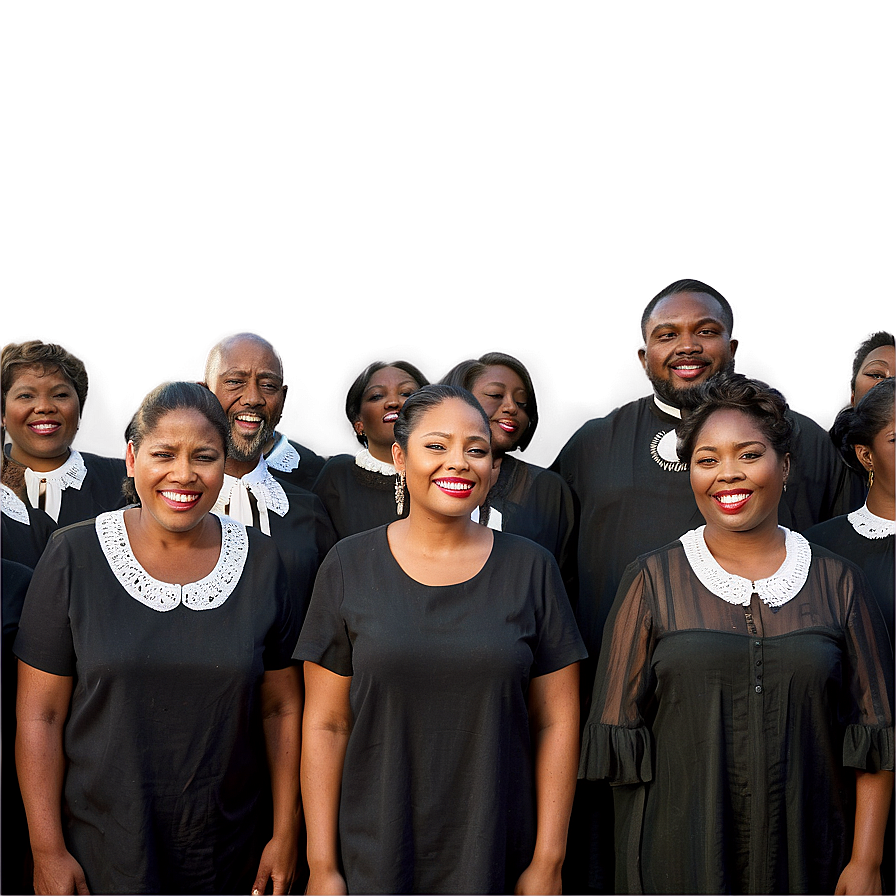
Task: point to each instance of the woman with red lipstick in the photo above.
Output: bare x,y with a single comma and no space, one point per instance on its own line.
744,686
441,669
526,500
158,707
359,492
44,388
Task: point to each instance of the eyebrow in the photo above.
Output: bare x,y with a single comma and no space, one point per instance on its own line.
700,323
238,371
407,382
738,446
448,435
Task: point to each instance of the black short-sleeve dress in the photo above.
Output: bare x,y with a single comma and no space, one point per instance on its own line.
730,717
164,742
438,782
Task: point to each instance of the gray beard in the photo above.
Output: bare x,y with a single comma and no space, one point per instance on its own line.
245,451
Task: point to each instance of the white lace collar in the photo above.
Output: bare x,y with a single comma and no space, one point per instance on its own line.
774,591
206,594
261,482
70,475
12,506
667,408
283,456
870,526
366,461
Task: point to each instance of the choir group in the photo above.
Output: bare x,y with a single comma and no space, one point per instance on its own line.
663,665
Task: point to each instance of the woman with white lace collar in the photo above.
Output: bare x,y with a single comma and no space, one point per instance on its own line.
44,388
745,683
359,492
156,684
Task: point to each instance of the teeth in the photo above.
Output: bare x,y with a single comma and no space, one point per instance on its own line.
44,427
689,367
454,486
180,497
732,499
248,418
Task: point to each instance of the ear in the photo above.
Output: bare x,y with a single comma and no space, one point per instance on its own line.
642,357
398,457
863,453
732,345
130,457
786,466
359,427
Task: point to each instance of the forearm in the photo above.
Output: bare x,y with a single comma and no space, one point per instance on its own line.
874,790
323,758
283,739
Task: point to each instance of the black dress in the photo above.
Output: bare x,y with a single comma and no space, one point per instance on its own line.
356,499
438,782
294,463
731,731
535,503
24,530
164,742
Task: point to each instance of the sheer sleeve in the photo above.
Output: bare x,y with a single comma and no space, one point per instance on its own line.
868,672
616,743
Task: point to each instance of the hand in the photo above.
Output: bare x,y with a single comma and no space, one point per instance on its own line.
857,878
326,883
58,873
278,864
539,879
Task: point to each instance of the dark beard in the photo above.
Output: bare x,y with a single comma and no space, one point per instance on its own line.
687,398
243,450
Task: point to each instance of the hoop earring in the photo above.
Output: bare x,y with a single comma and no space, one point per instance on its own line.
399,493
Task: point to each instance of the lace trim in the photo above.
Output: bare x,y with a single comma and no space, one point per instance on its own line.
12,506
261,482
667,408
366,461
283,456
70,475
774,591
869,525
206,594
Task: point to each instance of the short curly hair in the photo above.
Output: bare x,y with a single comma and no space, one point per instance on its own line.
46,356
767,406
860,425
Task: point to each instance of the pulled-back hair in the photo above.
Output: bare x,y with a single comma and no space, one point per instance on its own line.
47,357
466,373
688,286
167,397
357,389
427,398
736,392
875,340
860,425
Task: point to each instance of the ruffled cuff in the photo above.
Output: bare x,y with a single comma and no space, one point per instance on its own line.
623,755
868,748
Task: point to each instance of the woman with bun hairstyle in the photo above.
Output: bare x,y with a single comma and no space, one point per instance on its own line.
44,388
526,499
441,673
358,491
159,711
742,707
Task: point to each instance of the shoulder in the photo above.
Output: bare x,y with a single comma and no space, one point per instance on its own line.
519,549
97,463
809,434
335,465
593,429
821,533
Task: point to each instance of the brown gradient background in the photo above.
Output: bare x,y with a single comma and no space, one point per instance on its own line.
432,181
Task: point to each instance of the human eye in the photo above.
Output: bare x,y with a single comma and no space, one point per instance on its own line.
706,461
876,375
435,446
374,396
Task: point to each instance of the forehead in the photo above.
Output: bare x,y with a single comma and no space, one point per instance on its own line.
883,354
730,425
685,307
31,372
389,376
499,373
184,425
249,355
455,417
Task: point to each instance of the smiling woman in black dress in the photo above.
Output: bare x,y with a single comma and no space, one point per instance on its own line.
744,687
441,667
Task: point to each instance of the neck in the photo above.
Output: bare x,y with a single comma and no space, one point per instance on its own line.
144,530
381,452
238,468
754,554
38,464
435,535
881,500
268,446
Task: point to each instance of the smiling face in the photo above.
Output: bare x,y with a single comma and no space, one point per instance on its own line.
878,365
503,397
385,394
880,456
42,414
178,470
686,343
248,381
736,475
448,461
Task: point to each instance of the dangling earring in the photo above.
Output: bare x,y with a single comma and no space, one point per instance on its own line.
785,485
399,493
870,478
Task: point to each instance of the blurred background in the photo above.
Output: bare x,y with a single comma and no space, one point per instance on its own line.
433,181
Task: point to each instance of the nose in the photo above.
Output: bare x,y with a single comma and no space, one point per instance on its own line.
252,396
508,406
182,470
457,459
729,470
393,401
689,344
45,404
